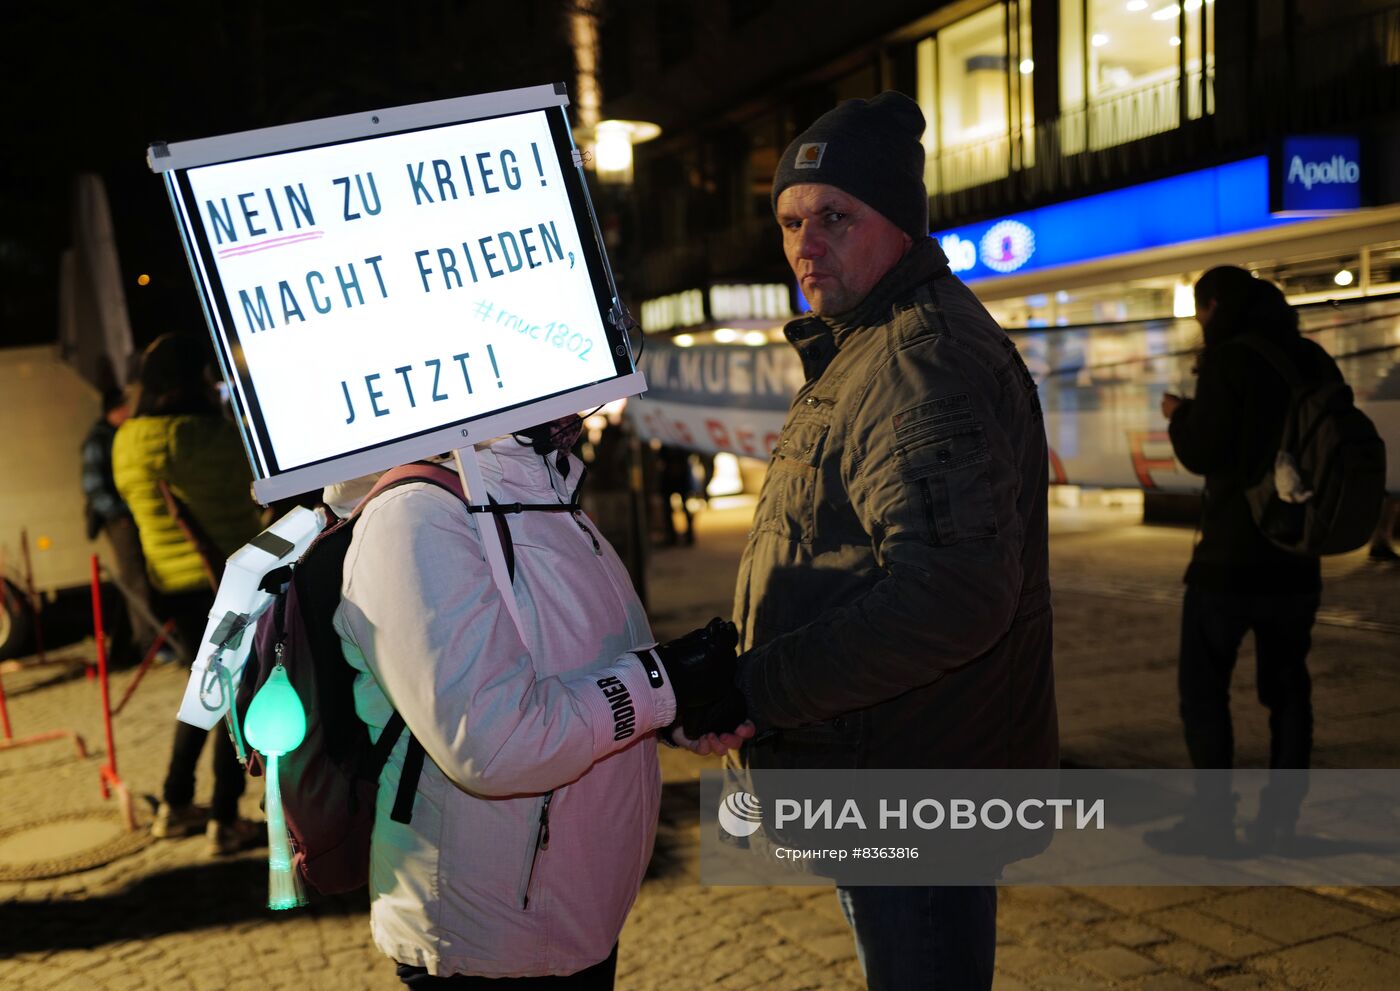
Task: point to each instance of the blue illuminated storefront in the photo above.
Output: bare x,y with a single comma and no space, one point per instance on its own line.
1226,199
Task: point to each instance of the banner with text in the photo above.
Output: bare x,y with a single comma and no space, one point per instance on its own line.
1100,387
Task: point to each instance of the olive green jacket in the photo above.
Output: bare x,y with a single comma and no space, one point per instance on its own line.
893,600
201,458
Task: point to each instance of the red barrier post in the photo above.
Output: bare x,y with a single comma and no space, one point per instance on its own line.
100,637
34,603
108,778
5,733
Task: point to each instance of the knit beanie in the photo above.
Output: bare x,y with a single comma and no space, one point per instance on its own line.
869,149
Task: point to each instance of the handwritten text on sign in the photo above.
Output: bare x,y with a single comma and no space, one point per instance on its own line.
383,287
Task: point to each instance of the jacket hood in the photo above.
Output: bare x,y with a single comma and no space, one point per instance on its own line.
505,459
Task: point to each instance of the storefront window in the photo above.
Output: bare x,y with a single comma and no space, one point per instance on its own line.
1121,68
979,120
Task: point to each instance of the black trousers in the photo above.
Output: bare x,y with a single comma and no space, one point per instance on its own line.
599,977
1213,624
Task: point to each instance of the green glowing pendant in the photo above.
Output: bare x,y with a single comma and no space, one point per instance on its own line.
276,724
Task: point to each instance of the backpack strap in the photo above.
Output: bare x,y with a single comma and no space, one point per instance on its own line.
408,781
1275,356
412,765
446,479
1287,369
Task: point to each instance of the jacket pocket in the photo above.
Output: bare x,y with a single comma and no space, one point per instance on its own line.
947,467
539,842
788,504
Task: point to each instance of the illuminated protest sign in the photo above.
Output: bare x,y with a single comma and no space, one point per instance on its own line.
385,286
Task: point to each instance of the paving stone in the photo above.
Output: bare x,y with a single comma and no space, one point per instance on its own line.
1334,962
1064,940
1384,901
1210,932
831,949
1170,982
1117,963
1130,932
1385,935
1003,981
1139,900
1189,958
1285,915
1244,982
1027,961
798,925
1032,895
1080,910
1069,982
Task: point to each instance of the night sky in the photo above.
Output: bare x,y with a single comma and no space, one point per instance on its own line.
89,86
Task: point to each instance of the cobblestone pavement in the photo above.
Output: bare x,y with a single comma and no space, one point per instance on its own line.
169,917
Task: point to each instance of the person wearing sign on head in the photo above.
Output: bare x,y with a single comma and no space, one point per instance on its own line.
1237,579
893,600
536,810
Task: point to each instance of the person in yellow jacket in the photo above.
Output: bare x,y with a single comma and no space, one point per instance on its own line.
177,439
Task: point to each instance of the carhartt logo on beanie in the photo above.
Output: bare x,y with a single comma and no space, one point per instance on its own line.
869,149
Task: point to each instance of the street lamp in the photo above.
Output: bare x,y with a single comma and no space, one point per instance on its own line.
612,148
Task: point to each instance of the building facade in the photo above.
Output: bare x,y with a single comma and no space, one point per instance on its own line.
1030,103
1086,161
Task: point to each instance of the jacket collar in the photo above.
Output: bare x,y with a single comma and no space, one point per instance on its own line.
505,461
818,338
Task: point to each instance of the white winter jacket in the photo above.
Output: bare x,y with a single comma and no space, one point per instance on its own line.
536,810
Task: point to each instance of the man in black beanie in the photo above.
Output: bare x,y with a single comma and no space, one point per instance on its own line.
894,598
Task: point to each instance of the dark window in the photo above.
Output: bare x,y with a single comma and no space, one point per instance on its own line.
675,32
615,45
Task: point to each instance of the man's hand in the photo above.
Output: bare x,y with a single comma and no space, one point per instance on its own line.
701,667
1170,402
714,743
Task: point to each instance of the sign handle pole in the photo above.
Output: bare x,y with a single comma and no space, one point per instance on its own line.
474,487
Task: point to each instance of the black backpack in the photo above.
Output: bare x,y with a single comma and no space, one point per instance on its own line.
329,782
1324,492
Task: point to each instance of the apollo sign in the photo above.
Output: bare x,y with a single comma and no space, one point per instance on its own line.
1316,175
1337,170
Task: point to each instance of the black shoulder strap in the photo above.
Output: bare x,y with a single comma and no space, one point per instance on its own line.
395,727
412,766
507,544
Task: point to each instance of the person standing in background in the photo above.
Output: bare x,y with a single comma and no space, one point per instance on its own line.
107,515
1238,580
178,441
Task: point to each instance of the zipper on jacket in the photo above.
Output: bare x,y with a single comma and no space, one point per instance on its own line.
597,548
541,843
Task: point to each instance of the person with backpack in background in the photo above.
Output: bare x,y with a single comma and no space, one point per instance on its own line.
534,814
179,465
1238,579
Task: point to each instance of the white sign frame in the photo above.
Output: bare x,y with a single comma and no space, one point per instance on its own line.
271,480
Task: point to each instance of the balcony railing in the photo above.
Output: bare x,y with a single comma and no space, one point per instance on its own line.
1128,116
